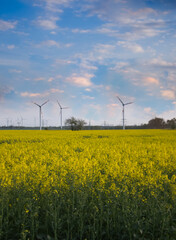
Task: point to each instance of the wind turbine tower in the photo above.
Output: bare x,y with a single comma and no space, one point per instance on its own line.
40,112
123,111
61,113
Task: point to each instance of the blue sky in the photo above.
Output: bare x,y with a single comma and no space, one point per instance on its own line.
84,54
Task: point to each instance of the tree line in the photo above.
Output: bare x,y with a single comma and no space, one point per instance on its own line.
78,124
160,123
155,123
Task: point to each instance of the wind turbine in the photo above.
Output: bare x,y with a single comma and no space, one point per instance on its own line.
40,112
61,113
22,121
123,110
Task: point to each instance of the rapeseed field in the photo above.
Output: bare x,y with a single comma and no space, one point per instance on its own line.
88,185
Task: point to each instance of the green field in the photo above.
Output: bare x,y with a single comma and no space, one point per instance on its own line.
88,185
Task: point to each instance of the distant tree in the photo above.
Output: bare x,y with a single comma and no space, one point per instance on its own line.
75,124
80,124
72,122
143,126
171,123
156,123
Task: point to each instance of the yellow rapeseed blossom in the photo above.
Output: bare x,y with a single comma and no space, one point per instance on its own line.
101,165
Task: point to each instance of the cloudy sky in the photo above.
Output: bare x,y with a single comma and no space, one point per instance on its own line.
83,54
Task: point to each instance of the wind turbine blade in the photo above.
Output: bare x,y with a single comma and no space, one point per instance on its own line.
59,104
128,103
65,107
36,104
120,101
44,103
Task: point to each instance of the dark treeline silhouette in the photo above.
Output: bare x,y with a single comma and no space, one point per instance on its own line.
79,124
160,123
75,124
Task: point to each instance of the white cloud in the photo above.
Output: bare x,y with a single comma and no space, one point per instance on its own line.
101,53
132,29
139,75
168,94
56,5
104,48
59,76
48,43
151,80
39,79
77,30
108,88
139,33
136,24
120,65
55,90
28,94
150,112
88,90
48,24
15,71
142,13
97,107
167,115
20,33
108,29
148,32
7,25
136,48
64,61
67,45
88,97
86,65
81,81
172,75
112,105
44,94
147,110
11,46
50,79
162,63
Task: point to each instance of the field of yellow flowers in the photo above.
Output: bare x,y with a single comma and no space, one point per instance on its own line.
87,185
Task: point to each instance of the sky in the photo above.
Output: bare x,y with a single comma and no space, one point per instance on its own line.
84,54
